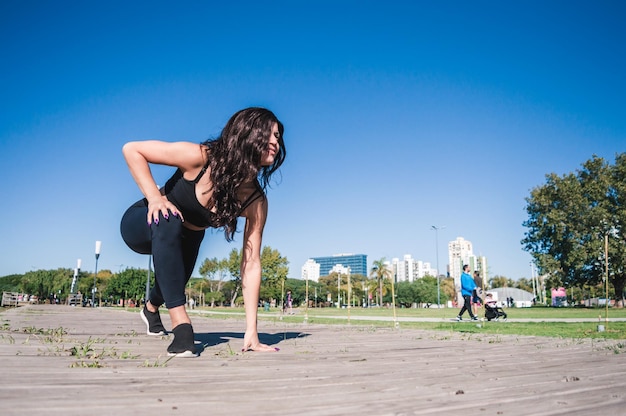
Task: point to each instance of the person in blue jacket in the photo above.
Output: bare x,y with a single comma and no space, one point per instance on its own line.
467,289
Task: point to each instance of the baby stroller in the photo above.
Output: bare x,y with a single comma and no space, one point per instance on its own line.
492,311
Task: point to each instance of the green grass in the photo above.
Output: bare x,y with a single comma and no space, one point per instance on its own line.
334,316
539,312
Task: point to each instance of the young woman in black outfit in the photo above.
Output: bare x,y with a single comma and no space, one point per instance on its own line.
215,183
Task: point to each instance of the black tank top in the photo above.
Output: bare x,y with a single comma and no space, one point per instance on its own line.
182,193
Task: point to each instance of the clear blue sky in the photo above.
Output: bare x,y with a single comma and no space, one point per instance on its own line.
398,115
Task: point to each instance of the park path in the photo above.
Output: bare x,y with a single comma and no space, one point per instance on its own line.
320,370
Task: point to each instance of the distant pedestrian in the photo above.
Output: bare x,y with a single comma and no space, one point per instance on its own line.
467,288
476,298
288,304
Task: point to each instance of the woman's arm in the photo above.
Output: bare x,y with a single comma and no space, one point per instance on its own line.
255,214
139,156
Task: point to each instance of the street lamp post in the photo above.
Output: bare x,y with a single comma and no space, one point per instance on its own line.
338,289
75,279
434,227
93,291
606,277
306,295
349,294
532,277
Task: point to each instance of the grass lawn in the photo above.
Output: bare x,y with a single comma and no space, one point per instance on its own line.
548,328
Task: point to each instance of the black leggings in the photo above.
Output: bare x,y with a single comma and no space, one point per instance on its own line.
174,250
467,306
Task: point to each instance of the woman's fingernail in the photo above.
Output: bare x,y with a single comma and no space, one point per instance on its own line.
167,217
276,349
156,221
175,214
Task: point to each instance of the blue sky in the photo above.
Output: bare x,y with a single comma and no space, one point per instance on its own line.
398,115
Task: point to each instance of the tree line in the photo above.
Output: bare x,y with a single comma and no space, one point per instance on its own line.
220,285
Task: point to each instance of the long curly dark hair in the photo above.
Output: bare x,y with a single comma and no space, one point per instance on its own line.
235,157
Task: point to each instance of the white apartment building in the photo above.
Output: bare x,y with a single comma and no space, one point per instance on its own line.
311,270
460,252
409,269
338,268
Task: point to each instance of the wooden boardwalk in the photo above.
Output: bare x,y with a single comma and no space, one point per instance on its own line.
61,360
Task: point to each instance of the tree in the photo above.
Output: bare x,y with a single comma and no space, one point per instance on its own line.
380,272
10,283
128,284
234,268
500,281
447,288
569,219
274,272
524,284
214,271
406,294
44,283
358,283
426,290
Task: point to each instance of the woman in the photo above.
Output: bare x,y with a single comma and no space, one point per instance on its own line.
215,183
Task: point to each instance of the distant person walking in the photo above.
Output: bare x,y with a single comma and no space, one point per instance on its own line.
467,289
288,304
476,293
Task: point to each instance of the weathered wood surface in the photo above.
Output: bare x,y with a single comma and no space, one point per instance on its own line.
319,370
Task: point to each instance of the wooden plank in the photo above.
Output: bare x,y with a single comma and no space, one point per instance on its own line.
320,370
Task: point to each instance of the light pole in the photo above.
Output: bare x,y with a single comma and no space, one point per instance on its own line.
434,227
93,291
606,277
348,297
338,289
532,278
306,295
75,279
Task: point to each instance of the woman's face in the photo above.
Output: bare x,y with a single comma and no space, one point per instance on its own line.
268,155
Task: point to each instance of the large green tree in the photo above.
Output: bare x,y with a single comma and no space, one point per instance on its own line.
273,272
128,284
214,271
569,219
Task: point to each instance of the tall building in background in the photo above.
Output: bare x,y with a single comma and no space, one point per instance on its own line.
481,266
311,271
409,269
356,262
460,252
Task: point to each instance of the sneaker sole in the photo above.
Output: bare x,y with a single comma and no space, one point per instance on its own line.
145,321
185,354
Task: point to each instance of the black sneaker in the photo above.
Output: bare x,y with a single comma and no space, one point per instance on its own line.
154,326
458,318
183,344
474,318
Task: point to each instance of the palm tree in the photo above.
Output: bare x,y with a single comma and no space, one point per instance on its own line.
380,271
